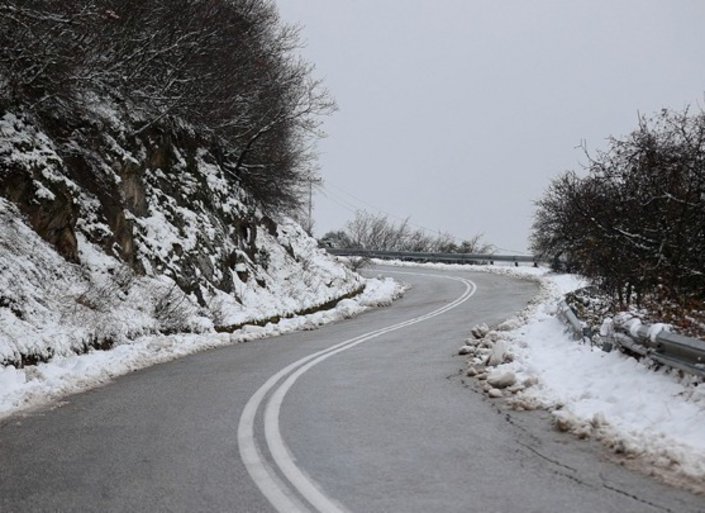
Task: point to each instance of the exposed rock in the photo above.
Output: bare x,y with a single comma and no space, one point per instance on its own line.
270,225
158,227
132,187
48,206
466,350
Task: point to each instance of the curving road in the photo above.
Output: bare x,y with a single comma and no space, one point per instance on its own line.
367,415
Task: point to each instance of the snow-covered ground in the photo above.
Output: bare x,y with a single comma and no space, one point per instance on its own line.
654,418
38,385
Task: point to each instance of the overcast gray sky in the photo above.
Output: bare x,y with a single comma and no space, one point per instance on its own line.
457,113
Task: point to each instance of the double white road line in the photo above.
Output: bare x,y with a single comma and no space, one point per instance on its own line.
286,486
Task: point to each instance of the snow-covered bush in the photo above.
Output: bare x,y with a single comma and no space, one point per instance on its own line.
634,223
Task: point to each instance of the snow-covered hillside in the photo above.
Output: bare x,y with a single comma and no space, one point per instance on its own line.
107,236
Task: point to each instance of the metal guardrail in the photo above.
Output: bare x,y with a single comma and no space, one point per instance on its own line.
666,348
455,258
580,329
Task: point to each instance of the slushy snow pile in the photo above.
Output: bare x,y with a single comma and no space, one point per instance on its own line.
654,417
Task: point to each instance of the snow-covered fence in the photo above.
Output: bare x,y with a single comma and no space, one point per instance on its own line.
650,341
455,258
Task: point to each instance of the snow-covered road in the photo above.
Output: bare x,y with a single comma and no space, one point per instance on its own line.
386,425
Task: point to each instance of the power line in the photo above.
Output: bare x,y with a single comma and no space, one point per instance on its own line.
337,200
370,205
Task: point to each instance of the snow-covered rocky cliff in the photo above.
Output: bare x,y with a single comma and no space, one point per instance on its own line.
107,235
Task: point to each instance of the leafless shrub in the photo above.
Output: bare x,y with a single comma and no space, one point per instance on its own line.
377,232
172,309
102,293
227,67
217,311
357,263
100,296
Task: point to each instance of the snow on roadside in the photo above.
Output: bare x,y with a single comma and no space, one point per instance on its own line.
35,386
653,417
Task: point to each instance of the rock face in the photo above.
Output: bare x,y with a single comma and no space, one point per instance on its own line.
48,204
116,191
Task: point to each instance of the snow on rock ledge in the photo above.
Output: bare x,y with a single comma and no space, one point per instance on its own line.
121,248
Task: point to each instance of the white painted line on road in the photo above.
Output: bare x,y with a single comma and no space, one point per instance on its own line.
283,500
271,486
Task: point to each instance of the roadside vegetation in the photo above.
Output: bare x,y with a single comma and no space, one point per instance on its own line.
634,221
376,232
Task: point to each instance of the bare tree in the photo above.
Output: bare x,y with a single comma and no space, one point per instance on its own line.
228,68
377,232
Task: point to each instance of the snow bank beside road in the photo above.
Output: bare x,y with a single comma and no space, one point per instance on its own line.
654,418
37,385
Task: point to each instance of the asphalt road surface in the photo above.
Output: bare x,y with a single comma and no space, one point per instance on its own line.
368,415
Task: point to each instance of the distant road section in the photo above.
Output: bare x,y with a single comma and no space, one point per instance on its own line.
415,256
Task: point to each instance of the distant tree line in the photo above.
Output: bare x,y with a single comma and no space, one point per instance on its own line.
224,67
636,222
377,232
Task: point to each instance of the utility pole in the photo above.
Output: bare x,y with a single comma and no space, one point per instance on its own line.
310,207
312,180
